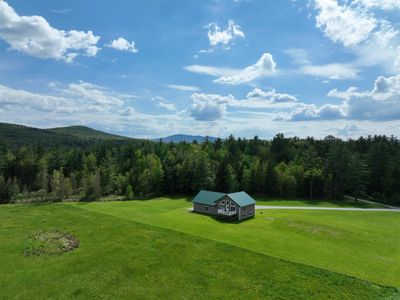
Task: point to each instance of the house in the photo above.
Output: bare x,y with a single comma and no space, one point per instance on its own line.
234,206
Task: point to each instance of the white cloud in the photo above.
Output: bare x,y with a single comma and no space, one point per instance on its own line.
264,67
342,23
330,71
184,88
122,44
271,96
34,36
167,105
348,130
217,36
382,103
381,4
209,107
209,70
371,36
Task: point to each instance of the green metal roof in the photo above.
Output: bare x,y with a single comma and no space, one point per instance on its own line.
209,198
242,198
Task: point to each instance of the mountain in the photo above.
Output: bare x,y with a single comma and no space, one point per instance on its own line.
177,138
86,133
17,135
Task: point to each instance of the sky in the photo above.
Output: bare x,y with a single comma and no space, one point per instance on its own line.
150,69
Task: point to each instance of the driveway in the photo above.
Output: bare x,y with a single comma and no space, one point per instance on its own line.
325,208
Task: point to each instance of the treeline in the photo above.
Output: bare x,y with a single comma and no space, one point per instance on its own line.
284,167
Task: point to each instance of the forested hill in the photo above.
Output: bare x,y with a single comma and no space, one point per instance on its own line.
281,167
87,133
18,135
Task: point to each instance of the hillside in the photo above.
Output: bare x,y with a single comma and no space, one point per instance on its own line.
177,138
17,135
86,133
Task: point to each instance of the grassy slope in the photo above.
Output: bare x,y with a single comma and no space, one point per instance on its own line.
118,259
361,244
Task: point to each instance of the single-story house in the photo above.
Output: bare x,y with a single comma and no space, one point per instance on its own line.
235,206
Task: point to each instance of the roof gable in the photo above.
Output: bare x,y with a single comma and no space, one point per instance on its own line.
207,197
241,198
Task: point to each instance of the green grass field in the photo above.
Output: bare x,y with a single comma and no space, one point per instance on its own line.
157,249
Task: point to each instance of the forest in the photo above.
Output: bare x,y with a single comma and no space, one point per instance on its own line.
137,169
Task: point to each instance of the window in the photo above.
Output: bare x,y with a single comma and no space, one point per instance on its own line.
206,208
233,208
244,208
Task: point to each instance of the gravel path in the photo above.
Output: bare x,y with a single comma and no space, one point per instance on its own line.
325,208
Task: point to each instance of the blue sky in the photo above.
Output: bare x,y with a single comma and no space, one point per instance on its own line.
216,67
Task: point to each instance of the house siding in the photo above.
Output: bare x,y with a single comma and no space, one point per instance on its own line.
212,210
247,211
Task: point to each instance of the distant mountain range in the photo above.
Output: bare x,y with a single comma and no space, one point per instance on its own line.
177,138
18,135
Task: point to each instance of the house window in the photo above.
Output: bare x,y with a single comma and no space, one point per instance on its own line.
244,208
206,208
233,208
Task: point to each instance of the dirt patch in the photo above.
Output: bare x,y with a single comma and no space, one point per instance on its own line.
53,242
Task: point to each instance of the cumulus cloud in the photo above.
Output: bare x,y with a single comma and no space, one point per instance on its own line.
217,36
382,103
271,96
209,107
184,88
34,36
76,97
264,67
357,26
122,44
342,23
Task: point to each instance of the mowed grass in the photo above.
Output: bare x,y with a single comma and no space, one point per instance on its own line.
119,258
357,243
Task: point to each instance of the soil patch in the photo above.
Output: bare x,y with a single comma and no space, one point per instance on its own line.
53,242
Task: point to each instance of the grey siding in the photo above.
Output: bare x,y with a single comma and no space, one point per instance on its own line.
212,210
247,211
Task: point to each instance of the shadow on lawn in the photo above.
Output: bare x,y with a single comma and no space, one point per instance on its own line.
221,219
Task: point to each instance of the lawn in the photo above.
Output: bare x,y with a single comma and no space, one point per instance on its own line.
128,250
357,243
